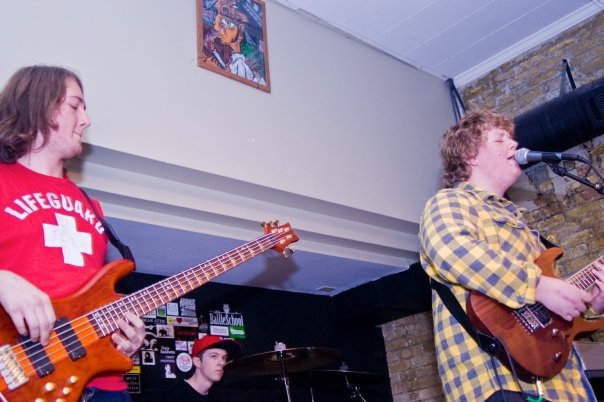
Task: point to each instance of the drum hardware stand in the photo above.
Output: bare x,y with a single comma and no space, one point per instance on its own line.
312,392
355,391
279,348
281,361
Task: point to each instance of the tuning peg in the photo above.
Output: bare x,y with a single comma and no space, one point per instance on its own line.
287,251
272,224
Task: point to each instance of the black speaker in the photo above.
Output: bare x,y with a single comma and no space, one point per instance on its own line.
560,124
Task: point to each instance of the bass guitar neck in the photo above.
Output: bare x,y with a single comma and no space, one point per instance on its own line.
80,347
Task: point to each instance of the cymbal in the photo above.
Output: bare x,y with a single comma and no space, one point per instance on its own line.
293,360
342,376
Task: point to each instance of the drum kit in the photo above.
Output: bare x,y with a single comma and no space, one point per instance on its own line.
283,362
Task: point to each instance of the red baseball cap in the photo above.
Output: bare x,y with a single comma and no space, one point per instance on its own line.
232,347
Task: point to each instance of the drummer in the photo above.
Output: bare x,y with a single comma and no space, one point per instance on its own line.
210,354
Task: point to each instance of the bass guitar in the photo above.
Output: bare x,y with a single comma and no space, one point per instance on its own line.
537,340
80,348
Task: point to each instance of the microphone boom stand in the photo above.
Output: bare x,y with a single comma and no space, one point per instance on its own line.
560,170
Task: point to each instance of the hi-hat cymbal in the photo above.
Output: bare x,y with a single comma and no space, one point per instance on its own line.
344,376
292,360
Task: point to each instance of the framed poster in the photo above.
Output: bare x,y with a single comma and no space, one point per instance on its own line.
231,40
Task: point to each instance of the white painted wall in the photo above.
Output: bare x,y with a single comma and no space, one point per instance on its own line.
344,123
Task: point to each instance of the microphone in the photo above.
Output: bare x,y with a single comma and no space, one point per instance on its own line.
524,156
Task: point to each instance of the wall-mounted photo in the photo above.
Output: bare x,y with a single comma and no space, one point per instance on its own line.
231,40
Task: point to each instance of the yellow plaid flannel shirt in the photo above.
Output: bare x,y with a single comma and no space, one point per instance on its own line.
473,240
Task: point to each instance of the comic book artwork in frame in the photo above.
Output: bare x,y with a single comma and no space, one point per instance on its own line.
231,40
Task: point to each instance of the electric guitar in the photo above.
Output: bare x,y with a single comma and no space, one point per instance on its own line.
538,340
80,348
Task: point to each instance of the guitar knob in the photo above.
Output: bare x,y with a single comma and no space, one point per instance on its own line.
555,332
40,400
73,379
50,386
557,356
66,390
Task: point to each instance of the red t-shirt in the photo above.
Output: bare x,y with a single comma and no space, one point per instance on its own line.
50,236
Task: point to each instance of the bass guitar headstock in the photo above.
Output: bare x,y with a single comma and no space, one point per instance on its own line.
285,236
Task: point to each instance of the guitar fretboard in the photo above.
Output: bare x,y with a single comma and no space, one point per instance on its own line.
536,316
150,298
584,278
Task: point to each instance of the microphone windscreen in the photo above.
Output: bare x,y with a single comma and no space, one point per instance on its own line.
521,156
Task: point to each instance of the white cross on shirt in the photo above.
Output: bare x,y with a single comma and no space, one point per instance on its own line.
66,236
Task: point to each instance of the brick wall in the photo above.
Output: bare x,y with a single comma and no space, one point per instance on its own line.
411,359
571,214
568,212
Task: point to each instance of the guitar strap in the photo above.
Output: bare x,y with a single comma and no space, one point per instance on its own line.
489,344
486,342
117,243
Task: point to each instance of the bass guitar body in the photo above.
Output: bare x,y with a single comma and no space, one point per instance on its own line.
80,346
51,374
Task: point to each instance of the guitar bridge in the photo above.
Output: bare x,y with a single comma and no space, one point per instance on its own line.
533,317
10,369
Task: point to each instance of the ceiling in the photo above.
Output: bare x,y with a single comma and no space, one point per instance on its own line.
174,218
181,224
461,39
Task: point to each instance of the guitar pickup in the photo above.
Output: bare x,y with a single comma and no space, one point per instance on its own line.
37,355
69,339
533,317
542,314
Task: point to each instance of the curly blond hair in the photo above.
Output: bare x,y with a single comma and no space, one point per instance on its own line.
461,142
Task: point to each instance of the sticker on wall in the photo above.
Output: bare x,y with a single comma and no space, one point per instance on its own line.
134,383
167,351
149,324
182,321
218,330
185,333
165,331
167,362
187,307
181,345
169,371
184,362
136,369
161,311
237,331
150,341
203,324
172,308
233,322
148,358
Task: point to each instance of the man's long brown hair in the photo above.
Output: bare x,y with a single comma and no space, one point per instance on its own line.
461,142
28,104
